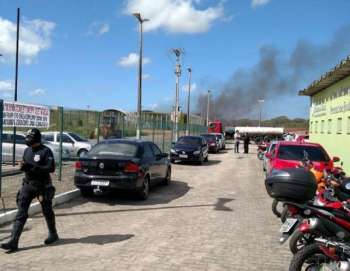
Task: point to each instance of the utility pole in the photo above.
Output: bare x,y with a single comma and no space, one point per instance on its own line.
177,53
208,104
260,101
188,101
139,87
16,87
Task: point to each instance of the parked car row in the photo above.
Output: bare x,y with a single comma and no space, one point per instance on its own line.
72,145
136,165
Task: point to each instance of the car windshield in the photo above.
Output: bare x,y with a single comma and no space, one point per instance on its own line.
297,153
209,137
189,141
119,149
78,138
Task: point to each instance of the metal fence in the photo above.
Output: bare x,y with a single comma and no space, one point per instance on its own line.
91,125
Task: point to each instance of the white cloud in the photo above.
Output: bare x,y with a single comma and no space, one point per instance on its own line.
132,60
193,87
35,36
6,86
38,92
176,16
257,3
146,76
98,29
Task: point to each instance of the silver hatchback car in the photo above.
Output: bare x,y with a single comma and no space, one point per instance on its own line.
7,147
77,146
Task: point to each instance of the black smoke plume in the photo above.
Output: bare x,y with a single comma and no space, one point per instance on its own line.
274,76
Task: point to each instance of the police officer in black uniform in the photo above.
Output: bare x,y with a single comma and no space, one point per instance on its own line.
37,164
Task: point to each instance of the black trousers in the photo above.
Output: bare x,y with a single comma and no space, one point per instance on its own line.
24,198
237,147
246,148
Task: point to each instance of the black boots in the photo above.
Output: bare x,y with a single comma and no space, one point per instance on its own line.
12,245
53,237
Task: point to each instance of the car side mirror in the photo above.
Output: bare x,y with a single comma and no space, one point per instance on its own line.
268,155
173,144
336,159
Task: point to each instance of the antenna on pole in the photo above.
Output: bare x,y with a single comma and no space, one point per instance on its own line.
177,52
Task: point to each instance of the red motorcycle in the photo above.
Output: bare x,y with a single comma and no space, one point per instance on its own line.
261,150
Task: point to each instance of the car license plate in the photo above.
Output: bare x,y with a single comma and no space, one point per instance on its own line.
183,155
288,225
100,183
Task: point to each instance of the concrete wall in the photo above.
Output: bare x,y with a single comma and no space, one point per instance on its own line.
330,120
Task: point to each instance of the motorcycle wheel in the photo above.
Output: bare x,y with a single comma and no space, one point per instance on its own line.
276,208
299,240
310,258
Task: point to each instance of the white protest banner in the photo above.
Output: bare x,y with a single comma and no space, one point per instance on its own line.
26,115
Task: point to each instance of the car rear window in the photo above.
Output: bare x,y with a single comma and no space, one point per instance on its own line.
189,141
210,137
119,149
297,153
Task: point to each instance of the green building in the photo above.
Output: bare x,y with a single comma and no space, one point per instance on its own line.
330,111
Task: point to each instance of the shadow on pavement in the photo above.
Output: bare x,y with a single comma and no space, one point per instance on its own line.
218,206
159,194
209,163
93,239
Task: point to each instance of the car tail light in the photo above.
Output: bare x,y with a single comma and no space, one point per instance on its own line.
78,165
132,168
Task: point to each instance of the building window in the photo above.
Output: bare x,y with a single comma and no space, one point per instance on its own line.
316,127
322,126
329,126
311,127
348,128
339,125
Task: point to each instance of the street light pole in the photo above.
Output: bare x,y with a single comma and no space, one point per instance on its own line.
139,86
208,104
16,85
177,53
188,101
260,101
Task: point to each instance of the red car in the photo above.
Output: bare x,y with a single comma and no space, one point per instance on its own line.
288,154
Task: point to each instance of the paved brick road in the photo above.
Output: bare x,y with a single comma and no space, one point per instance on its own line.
212,217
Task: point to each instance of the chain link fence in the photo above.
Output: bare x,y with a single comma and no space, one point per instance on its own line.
71,133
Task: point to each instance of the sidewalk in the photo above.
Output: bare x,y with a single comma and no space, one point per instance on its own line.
11,184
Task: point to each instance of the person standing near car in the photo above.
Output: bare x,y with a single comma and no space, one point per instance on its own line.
37,164
236,141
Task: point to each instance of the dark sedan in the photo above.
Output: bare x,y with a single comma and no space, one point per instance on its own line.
122,164
213,142
191,149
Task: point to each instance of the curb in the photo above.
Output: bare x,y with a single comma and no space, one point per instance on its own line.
36,207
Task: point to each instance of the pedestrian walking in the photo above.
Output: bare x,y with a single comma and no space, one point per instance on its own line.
236,141
246,142
38,162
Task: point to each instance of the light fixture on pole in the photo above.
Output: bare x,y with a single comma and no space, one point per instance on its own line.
260,101
208,104
188,101
177,53
139,87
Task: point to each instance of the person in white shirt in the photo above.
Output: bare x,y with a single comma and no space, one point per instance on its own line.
236,141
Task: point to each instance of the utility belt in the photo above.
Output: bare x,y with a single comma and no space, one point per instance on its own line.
43,190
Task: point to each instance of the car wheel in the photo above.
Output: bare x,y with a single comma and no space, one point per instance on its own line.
86,192
167,178
144,191
200,161
172,161
82,153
